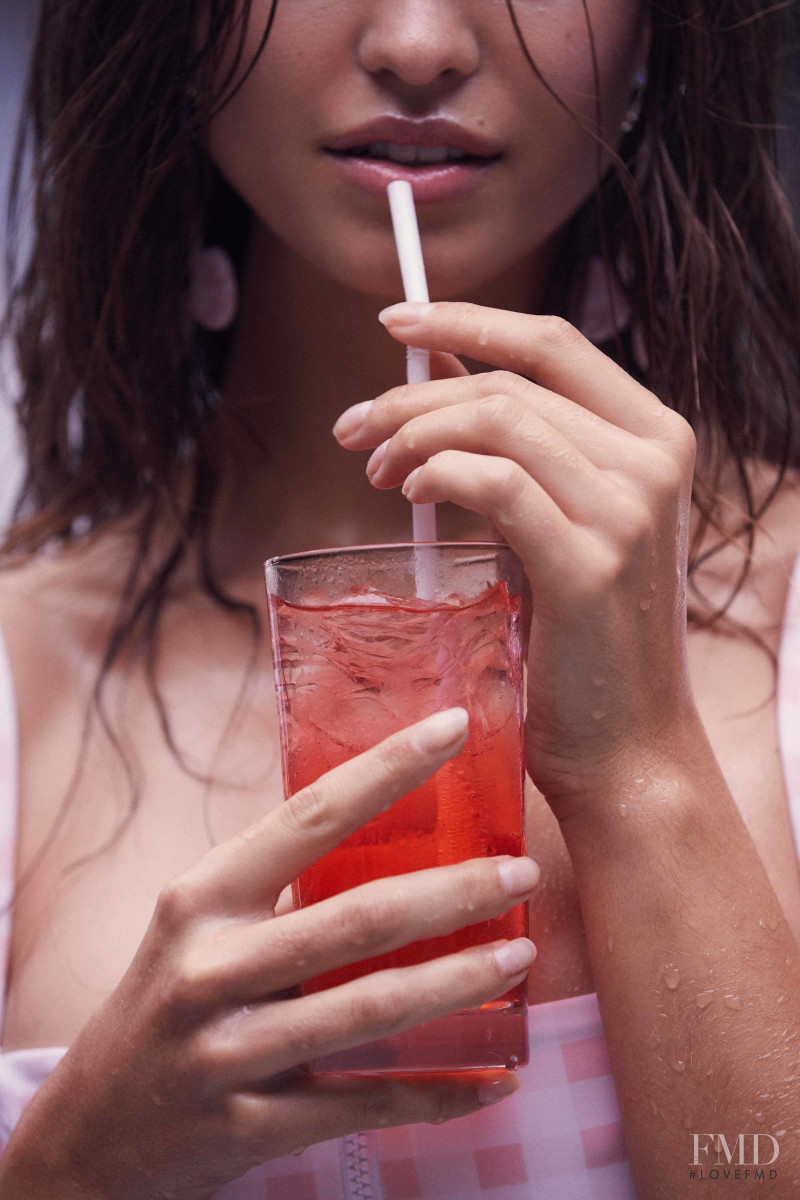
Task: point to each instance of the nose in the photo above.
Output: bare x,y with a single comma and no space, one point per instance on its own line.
418,42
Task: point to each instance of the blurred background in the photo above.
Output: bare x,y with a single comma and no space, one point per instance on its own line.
17,26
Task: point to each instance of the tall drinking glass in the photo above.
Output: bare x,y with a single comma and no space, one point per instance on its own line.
357,656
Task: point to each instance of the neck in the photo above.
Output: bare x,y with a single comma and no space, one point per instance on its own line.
306,348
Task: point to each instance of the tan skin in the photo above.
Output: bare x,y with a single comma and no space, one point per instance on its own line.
308,345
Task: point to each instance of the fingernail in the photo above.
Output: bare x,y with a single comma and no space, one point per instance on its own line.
377,458
490,1093
351,420
519,875
399,316
408,486
516,956
441,730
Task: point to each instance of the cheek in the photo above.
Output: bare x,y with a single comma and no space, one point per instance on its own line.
621,42
607,36
561,154
270,121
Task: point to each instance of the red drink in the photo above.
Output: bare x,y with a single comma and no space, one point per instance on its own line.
353,672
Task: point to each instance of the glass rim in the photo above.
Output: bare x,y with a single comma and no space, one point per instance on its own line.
333,550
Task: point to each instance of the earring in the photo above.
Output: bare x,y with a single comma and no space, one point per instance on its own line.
636,100
214,292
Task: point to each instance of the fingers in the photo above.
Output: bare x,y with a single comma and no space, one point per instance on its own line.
365,921
445,366
248,872
257,1043
506,427
534,526
516,504
317,1108
548,349
600,442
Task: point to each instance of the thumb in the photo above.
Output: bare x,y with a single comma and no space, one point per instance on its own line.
446,366
284,903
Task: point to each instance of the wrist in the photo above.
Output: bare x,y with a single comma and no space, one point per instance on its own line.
671,787
53,1149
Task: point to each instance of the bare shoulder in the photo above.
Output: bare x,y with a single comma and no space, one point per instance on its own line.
54,616
780,525
760,600
735,683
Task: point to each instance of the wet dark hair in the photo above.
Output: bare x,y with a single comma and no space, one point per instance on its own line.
119,385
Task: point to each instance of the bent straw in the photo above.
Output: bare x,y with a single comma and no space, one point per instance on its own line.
415,286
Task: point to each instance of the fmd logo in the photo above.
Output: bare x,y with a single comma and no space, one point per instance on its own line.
749,1157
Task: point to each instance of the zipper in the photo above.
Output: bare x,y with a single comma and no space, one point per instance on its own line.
359,1163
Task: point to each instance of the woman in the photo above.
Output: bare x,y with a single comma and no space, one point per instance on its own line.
178,435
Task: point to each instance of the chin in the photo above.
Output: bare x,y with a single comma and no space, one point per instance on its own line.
376,272
360,255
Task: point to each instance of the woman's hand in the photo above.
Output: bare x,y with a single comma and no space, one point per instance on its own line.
188,1075
588,477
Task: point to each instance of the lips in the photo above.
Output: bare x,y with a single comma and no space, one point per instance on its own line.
431,131
430,182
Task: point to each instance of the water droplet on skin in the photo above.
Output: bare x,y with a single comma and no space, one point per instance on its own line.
772,923
759,1117
639,782
653,586
598,681
672,977
733,1002
483,336
645,603
703,999
761,924
623,810
677,1064
599,713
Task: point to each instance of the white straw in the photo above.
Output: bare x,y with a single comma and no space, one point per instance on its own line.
415,286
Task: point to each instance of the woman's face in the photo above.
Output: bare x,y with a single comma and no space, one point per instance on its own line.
329,66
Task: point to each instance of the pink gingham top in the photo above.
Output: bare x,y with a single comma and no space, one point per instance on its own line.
559,1136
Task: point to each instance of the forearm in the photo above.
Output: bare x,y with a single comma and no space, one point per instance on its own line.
697,975
57,1149
28,1172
